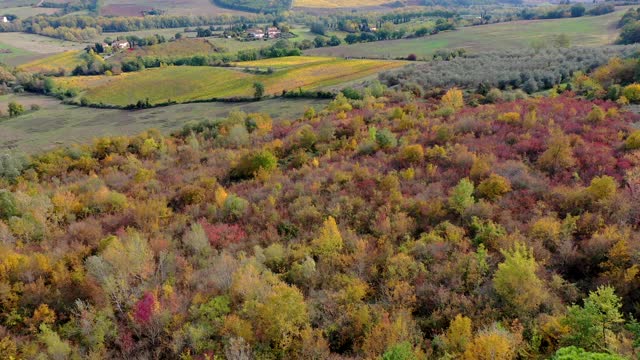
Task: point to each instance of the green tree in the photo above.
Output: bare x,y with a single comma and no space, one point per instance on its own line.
595,321
461,197
574,353
8,207
258,90
15,109
577,10
516,281
282,316
56,347
401,351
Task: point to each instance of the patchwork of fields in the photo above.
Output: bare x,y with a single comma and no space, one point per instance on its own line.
187,84
583,31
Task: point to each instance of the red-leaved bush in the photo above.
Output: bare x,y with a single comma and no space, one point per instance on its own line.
221,235
144,309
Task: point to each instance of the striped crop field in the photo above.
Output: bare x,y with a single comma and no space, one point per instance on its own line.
64,62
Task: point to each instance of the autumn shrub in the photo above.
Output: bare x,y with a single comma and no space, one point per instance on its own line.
494,187
633,141
602,188
222,235
632,93
411,154
250,164
495,344
596,115
190,195
509,118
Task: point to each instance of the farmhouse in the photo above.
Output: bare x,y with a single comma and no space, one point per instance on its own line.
256,33
273,32
5,19
120,44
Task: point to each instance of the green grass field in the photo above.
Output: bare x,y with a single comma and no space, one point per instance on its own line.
187,84
584,31
55,123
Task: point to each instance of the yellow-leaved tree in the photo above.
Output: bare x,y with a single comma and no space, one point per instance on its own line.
329,242
492,344
458,335
453,99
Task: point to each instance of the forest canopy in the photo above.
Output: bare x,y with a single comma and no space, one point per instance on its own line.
376,228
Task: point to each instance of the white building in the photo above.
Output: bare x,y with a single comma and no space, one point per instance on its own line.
120,44
256,33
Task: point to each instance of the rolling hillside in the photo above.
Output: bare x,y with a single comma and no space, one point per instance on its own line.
583,31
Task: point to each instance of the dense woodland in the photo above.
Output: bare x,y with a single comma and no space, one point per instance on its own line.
389,227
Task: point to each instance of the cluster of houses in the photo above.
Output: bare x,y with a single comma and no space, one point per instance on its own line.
271,32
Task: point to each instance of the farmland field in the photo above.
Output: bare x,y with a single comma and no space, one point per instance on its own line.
28,47
285,62
583,31
187,84
23,12
66,61
179,48
16,3
338,3
179,7
56,123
